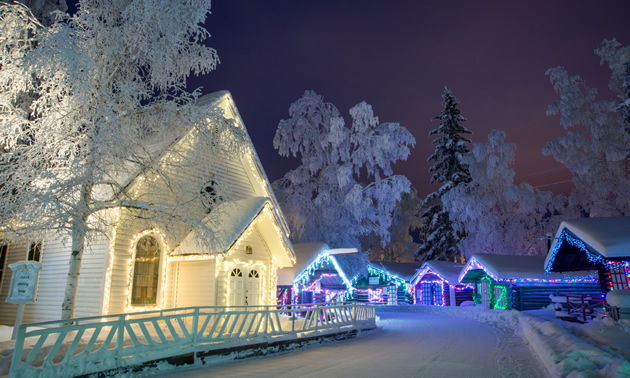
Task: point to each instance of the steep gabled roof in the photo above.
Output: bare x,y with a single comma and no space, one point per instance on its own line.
602,238
229,221
447,270
153,148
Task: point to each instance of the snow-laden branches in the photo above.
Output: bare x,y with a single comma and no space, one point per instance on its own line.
493,215
449,171
89,105
323,198
594,147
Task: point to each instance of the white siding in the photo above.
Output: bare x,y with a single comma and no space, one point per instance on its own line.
195,283
53,278
260,255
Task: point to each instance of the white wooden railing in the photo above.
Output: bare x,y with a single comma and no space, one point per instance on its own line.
102,343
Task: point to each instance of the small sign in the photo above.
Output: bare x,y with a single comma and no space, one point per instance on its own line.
374,280
23,281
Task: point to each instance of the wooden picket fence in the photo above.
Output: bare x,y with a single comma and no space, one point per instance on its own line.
103,343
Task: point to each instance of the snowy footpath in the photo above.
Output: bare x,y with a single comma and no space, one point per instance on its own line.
407,344
423,341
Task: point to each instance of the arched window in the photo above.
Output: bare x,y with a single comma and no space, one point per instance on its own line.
236,273
146,271
253,274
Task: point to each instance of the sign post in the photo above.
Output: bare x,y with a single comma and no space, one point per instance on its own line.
22,289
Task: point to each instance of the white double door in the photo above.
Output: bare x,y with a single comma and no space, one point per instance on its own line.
245,287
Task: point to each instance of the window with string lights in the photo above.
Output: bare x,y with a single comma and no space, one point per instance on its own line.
146,271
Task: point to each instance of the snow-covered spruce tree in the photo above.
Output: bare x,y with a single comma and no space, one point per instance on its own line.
594,147
406,218
322,198
492,213
449,172
81,101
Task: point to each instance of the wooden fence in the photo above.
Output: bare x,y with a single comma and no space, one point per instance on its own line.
96,344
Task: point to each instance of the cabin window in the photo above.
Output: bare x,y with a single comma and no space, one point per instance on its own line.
619,280
392,298
500,297
35,252
146,271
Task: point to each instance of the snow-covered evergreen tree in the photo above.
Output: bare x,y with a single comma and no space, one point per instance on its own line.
449,172
79,101
323,199
594,147
406,219
492,213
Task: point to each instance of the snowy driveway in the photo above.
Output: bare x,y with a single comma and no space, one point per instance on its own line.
406,345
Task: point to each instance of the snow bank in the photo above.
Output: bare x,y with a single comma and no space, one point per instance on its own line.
597,349
619,298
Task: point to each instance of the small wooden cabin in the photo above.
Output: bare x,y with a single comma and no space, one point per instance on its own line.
597,245
142,265
386,283
317,276
520,282
436,283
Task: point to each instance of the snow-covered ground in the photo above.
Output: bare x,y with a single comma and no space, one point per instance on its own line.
433,341
462,341
405,345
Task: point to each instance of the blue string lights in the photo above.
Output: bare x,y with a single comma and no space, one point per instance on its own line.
577,243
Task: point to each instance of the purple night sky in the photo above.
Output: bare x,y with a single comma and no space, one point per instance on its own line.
399,55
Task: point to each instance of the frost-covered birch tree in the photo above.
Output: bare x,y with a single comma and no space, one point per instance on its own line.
81,100
345,186
492,213
594,147
449,172
406,218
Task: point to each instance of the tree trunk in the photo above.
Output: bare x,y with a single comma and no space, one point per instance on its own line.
72,284
79,229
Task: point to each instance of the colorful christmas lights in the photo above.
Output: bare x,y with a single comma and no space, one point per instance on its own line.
474,264
577,243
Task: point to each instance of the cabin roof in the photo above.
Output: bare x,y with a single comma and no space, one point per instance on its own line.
402,270
305,255
608,237
509,267
447,270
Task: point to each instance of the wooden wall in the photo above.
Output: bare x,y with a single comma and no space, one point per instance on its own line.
534,297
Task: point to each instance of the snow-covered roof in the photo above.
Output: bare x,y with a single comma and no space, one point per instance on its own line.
153,148
228,220
305,255
401,270
608,236
354,265
509,267
447,270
